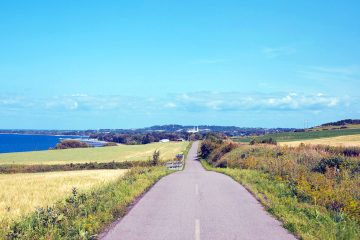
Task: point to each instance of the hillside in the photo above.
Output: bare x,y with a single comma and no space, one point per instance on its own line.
343,122
344,141
307,135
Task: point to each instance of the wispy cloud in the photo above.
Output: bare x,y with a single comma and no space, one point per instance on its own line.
325,73
347,70
274,52
72,102
170,105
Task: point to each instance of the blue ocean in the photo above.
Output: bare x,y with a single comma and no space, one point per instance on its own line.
25,143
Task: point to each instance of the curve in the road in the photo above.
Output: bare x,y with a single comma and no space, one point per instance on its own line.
197,204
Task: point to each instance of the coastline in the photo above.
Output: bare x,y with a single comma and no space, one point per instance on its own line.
40,134
18,142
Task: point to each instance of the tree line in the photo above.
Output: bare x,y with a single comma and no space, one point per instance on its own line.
145,138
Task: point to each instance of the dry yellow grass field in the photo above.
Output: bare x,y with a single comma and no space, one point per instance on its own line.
21,193
346,141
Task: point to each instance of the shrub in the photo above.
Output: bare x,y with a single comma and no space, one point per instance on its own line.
325,163
263,140
206,148
110,144
70,143
156,157
346,151
219,152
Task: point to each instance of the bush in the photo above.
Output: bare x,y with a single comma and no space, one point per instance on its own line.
263,141
65,144
325,163
220,152
156,158
207,147
110,144
346,151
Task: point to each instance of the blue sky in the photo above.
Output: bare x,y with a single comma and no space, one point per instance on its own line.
128,64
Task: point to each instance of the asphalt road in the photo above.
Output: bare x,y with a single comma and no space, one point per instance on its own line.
197,204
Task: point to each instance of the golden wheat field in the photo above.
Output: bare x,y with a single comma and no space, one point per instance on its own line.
22,193
346,141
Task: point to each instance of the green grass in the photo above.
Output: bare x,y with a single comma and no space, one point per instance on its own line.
296,136
101,154
303,219
83,216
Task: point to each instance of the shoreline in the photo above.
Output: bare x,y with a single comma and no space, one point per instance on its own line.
38,134
41,142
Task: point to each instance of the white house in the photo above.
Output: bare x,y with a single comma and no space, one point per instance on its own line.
164,140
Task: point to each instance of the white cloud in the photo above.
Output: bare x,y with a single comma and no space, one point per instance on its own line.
236,101
190,102
170,105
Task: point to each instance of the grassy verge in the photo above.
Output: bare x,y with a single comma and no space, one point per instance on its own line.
303,219
187,149
186,152
82,216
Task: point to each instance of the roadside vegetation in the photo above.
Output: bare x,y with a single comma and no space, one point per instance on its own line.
119,153
84,214
313,190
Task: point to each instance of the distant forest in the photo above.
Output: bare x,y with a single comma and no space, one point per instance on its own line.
156,133
173,132
180,130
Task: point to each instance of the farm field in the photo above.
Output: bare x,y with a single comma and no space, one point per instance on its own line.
20,194
299,136
102,154
346,141
333,127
